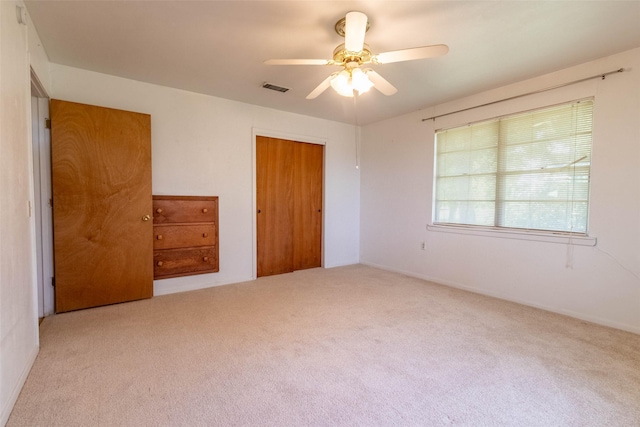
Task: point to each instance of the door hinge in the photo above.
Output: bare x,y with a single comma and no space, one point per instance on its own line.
53,282
47,123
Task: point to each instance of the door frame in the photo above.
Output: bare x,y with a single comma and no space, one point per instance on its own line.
256,132
41,175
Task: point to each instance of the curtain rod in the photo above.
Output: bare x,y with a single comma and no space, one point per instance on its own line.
619,70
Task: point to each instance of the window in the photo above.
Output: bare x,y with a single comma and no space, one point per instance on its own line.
524,171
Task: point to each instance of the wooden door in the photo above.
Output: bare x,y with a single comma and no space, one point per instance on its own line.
307,205
289,203
274,177
101,177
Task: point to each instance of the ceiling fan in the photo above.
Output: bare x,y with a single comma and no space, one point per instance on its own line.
353,54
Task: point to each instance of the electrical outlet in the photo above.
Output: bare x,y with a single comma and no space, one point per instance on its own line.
423,246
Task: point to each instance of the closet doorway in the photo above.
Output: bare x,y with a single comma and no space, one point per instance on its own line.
289,176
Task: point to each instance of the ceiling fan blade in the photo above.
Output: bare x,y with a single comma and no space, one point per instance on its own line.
298,62
380,82
411,54
321,87
355,28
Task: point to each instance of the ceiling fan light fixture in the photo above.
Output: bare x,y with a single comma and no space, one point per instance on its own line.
342,84
360,81
347,81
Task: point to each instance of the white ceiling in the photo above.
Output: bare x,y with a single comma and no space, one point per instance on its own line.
218,47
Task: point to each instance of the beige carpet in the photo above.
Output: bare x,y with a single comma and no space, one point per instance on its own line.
350,346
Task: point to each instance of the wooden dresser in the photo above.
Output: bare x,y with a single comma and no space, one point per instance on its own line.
185,235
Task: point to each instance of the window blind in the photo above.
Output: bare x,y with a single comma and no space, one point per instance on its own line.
525,171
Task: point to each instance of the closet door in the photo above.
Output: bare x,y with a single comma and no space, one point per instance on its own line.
102,228
307,205
289,203
274,178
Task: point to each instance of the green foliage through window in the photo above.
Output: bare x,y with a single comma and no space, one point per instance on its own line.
524,171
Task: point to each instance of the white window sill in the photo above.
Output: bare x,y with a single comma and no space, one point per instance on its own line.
537,236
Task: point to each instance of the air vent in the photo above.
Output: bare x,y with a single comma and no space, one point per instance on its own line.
274,87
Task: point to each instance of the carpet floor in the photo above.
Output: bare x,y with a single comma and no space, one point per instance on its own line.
352,346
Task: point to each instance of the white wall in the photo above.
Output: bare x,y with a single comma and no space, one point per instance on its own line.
202,145
600,284
38,57
18,299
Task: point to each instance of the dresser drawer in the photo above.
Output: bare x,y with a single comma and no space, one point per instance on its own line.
183,236
173,209
181,262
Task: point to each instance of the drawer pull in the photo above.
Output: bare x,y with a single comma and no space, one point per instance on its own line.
205,210
205,234
159,237
205,258
159,263
159,210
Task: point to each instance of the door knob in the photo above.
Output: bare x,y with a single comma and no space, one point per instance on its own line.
146,217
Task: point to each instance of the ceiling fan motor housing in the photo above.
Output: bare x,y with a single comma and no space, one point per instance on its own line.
341,56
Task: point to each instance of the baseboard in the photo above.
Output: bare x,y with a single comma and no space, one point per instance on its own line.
174,288
13,397
576,315
167,288
342,264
